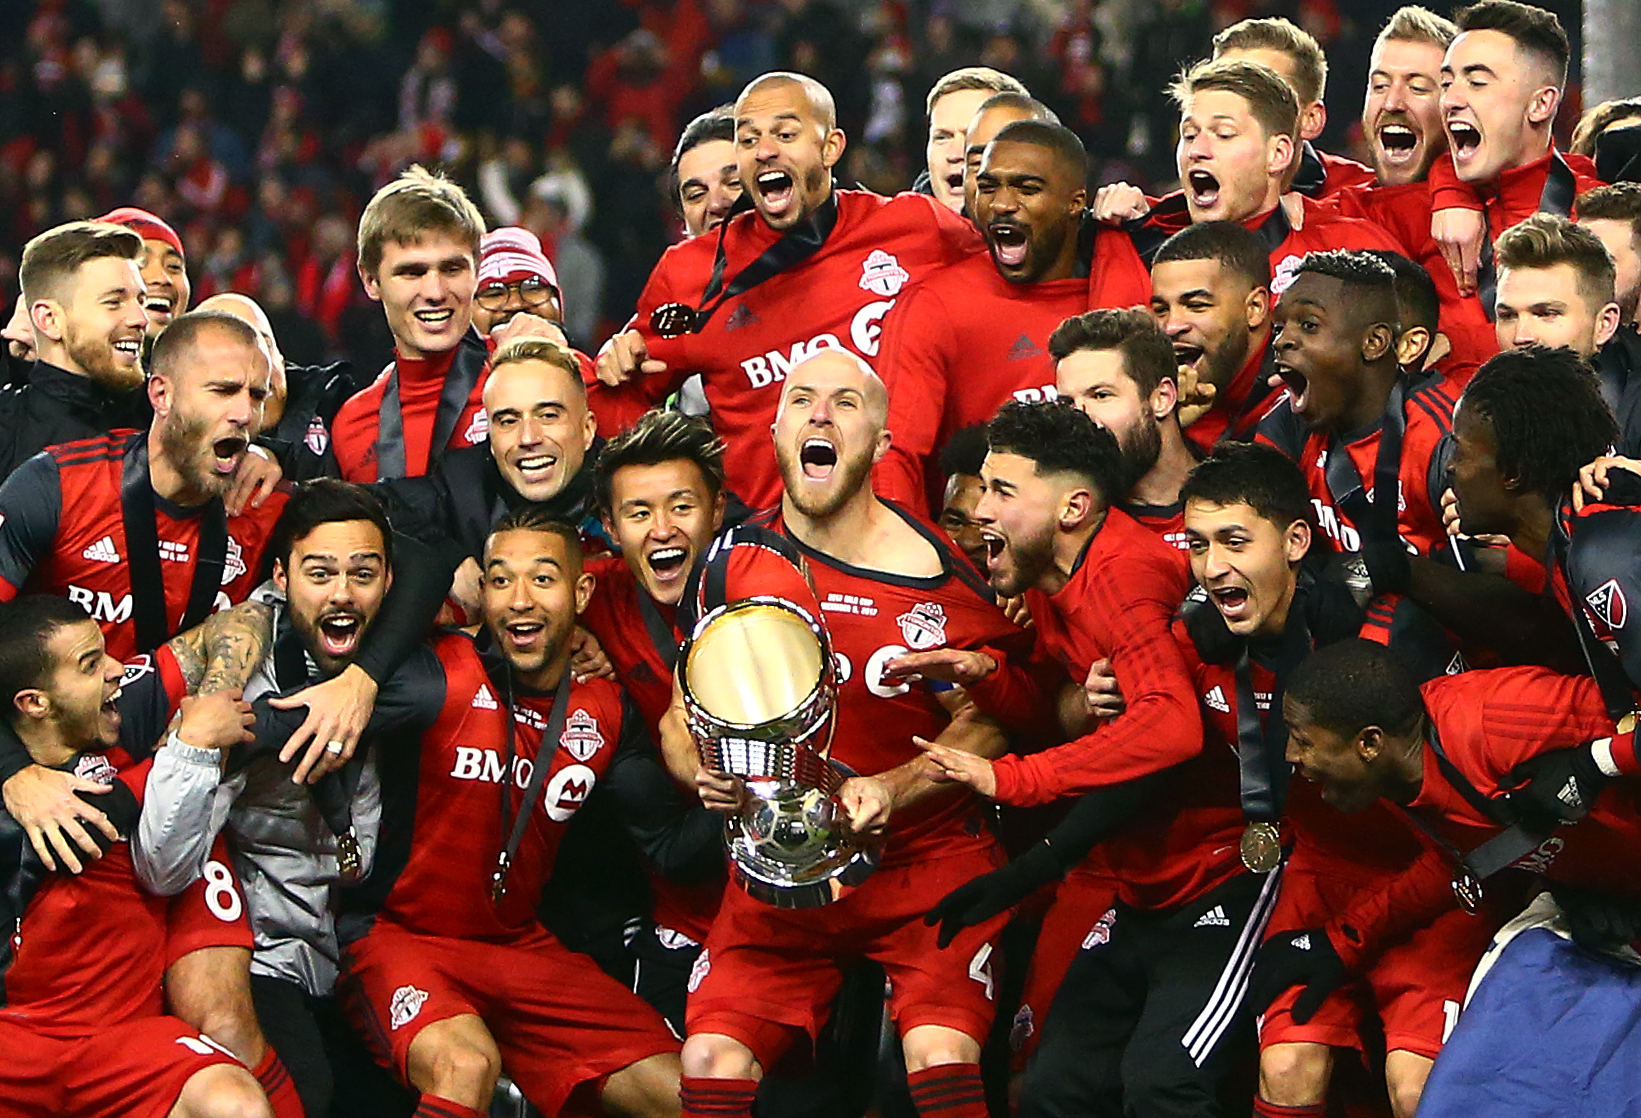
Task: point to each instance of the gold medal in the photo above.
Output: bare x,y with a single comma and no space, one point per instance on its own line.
347,855
672,320
1468,889
1261,846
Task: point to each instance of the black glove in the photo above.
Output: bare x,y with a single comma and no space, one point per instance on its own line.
1555,788
992,893
1305,958
1387,564
1599,919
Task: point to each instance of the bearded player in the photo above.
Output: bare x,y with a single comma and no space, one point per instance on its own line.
885,581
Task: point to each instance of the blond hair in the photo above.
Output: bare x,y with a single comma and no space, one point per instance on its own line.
1413,24
1273,103
972,77
1310,65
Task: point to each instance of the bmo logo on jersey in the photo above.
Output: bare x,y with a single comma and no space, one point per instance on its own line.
565,792
865,331
1336,529
101,605
1036,395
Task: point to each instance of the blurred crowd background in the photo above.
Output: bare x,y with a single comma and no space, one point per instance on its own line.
259,128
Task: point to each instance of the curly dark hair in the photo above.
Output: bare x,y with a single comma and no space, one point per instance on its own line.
1058,439
1547,415
1237,248
1352,684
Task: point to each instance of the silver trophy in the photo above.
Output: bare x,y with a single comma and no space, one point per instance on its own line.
759,689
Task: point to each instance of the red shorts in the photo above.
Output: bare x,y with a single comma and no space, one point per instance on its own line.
768,974
210,912
132,1070
558,1020
1416,985
1080,901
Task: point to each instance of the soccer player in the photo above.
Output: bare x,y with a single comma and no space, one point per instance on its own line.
301,403
1401,113
1556,287
768,974
1613,214
419,240
1352,422
1297,58
448,972
514,276
952,102
971,336
811,268
164,267
960,461
1238,128
1117,368
1211,294
539,453
83,298
1420,345
706,181
91,1038
995,113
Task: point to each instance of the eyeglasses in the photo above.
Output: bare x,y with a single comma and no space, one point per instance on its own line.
532,292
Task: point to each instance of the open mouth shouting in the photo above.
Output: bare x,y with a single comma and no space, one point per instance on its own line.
954,182
227,452
818,457
526,636
1298,386
160,307
1465,139
1398,140
339,633
995,544
1202,188
668,564
1187,354
1010,244
1232,601
776,189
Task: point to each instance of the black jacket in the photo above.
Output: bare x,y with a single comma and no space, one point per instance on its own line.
301,440
57,406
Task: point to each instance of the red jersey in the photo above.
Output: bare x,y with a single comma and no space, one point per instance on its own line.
872,617
1491,721
1168,522
1426,448
1241,404
62,531
957,346
441,809
835,299
1341,174
357,427
1119,604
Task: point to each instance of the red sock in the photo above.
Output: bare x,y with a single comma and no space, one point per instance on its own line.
717,1098
948,1091
1263,1109
432,1106
278,1085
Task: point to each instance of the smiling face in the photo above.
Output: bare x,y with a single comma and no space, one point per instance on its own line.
167,281
1209,314
1028,205
540,427
709,183
426,291
1019,513
98,327
945,155
334,584
665,514
1246,563
1096,381
786,152
1230,169
1330,759
81,688
829,432
1497,104
534,589
209,410
1318,343
1402,116
1543,306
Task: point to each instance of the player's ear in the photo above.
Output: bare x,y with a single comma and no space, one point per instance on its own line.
1412,346
1542,108
832,148
583,591
1077,506
1369,743
159,393
46,316
33,703
1258,306
719,504
282,580
1606,324
1165,398
372,288
884,438
1296,541
1379,340
1279,155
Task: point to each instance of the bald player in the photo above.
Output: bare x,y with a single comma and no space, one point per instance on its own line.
976,334
768,974
839,260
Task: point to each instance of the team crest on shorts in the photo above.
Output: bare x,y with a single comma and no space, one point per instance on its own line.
406,1004
698,970
1607,602
882,275
923,626
1101,932
581,736
317,438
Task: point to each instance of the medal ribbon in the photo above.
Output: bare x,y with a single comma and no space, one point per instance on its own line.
148,611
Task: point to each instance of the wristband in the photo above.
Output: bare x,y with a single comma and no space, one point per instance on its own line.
192,754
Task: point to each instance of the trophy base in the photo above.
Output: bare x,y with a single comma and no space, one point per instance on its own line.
786,851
